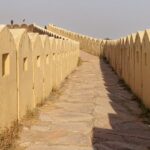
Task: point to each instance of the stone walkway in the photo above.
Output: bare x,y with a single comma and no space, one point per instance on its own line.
91,111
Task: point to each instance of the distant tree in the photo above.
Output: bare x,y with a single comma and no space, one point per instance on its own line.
11,22
45,27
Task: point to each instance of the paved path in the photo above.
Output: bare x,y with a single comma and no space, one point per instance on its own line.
91,111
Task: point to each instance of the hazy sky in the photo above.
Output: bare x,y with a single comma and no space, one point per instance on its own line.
98,18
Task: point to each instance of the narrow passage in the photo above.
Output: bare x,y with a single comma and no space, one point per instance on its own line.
91,111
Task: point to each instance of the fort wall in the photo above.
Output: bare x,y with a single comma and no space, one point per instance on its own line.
129,56
33,62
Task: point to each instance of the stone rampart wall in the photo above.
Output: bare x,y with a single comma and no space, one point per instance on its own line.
130,58
33,62
91,45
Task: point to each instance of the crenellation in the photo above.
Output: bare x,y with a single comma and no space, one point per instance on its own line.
128,56
131,59
33,61
8,82
86,43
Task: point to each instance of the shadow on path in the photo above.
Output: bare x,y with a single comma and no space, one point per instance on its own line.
126,131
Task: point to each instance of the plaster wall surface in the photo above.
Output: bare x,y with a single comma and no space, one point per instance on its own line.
38,64
24,71
133,63
8,78
33,61
88,44
47,78
146,68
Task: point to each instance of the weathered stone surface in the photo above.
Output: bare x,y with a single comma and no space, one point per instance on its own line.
46,147
90,112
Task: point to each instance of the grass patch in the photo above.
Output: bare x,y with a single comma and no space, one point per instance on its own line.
41,103
8,136
55,90
32,113
80,62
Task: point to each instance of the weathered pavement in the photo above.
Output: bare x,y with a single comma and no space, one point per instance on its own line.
92,111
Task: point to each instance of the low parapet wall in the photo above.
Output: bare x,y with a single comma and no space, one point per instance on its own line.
36,29
91,45
40,59
31,66
130,58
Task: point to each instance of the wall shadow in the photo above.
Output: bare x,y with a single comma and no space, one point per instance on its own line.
127,130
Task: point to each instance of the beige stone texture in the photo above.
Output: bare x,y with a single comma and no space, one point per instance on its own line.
32,64
66,58
8,79
88,44
118,58
125,55
132,62
59,61
52,60
138,64
127,60
54,63
38,63
24,71
123,58
57,64
90,112
47,67
146,68
51,39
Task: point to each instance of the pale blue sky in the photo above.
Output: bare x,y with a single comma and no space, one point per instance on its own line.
98,18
